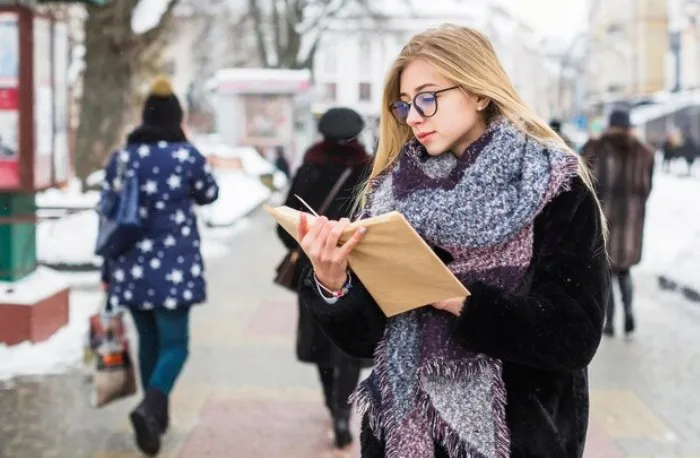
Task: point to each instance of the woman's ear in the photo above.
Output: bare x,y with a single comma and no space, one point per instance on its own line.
482,102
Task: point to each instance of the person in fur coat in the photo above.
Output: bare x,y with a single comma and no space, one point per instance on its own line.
623,167
512,212
323,164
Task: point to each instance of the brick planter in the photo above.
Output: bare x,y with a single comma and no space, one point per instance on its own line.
32,313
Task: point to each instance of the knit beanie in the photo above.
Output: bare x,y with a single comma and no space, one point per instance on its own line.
162,108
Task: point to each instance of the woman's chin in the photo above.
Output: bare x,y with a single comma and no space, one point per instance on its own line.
434,150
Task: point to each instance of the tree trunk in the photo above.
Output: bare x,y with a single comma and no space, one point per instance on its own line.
115,57
110,65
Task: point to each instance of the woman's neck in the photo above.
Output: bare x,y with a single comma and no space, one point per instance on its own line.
470,137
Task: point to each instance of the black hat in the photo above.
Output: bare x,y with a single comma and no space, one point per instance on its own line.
340,124
620,118
162,108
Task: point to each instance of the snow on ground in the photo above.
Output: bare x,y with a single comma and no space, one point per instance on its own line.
62,351
672,230
239,194
71,197
70,240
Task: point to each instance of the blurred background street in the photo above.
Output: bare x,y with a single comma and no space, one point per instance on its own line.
253,86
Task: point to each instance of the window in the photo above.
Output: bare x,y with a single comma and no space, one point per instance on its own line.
365,92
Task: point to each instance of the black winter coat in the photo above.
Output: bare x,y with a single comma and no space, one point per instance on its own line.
546,333
323,165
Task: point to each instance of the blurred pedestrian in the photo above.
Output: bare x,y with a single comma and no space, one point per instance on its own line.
339,156
555,124
623,167
281,162
671,148
689,150
161,276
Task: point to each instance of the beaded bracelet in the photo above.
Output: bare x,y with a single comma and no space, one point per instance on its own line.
341,292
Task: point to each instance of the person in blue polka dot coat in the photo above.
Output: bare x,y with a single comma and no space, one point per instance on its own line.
161,276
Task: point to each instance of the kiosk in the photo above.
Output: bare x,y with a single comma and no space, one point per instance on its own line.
34,156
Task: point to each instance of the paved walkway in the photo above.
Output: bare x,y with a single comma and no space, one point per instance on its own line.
244,395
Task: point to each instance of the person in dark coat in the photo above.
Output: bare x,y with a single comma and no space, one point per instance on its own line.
502,372
555,125
281,162
671,148
162,275
322,166
689,150
623,167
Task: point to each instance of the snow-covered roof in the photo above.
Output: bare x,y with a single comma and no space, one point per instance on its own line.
248,80
667,104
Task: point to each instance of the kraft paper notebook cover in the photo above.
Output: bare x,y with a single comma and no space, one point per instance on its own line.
397,267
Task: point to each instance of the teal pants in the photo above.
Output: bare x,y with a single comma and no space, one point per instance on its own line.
163,346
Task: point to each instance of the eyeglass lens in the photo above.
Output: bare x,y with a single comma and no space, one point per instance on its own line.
424,102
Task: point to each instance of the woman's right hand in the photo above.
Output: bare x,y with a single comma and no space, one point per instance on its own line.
320,243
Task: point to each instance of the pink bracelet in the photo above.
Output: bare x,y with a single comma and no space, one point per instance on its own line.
342,291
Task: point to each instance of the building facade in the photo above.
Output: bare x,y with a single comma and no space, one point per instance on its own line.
627,50
356,52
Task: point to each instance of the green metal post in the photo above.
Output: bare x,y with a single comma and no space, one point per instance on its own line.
17,236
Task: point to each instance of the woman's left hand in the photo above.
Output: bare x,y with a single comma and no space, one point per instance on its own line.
454,305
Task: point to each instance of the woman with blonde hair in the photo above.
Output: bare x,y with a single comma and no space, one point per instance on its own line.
511,211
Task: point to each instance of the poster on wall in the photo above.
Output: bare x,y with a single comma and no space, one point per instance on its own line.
61,156
9,101
268,119
43,103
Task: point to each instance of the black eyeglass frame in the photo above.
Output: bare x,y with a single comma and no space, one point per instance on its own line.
412,103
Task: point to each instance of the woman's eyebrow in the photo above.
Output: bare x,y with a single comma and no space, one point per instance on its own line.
420,88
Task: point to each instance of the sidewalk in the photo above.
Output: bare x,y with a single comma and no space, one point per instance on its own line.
243,394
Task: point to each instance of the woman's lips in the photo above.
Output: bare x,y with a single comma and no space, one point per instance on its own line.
424,136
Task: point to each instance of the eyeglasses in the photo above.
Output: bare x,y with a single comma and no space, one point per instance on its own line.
425,103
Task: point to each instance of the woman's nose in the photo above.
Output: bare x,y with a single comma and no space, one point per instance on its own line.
414,118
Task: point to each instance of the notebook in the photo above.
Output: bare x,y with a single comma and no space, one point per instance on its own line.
398,268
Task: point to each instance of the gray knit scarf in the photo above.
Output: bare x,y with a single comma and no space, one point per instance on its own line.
426,388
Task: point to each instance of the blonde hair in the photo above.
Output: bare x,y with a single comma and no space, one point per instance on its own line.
466,57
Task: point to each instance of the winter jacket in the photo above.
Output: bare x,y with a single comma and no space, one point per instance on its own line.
323,164
546,333
623,169
165,268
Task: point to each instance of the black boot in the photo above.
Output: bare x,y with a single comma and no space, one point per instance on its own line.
164,418
147,420
626,291
347,373
341,429
327,376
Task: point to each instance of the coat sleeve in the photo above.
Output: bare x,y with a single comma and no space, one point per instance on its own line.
355,323
556,322
205,189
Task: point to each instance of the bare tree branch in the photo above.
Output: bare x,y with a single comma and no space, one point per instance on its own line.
258,25
295,27
277,34
151,35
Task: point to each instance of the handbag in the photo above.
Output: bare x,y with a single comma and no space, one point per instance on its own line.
287,272
113,376
120,224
